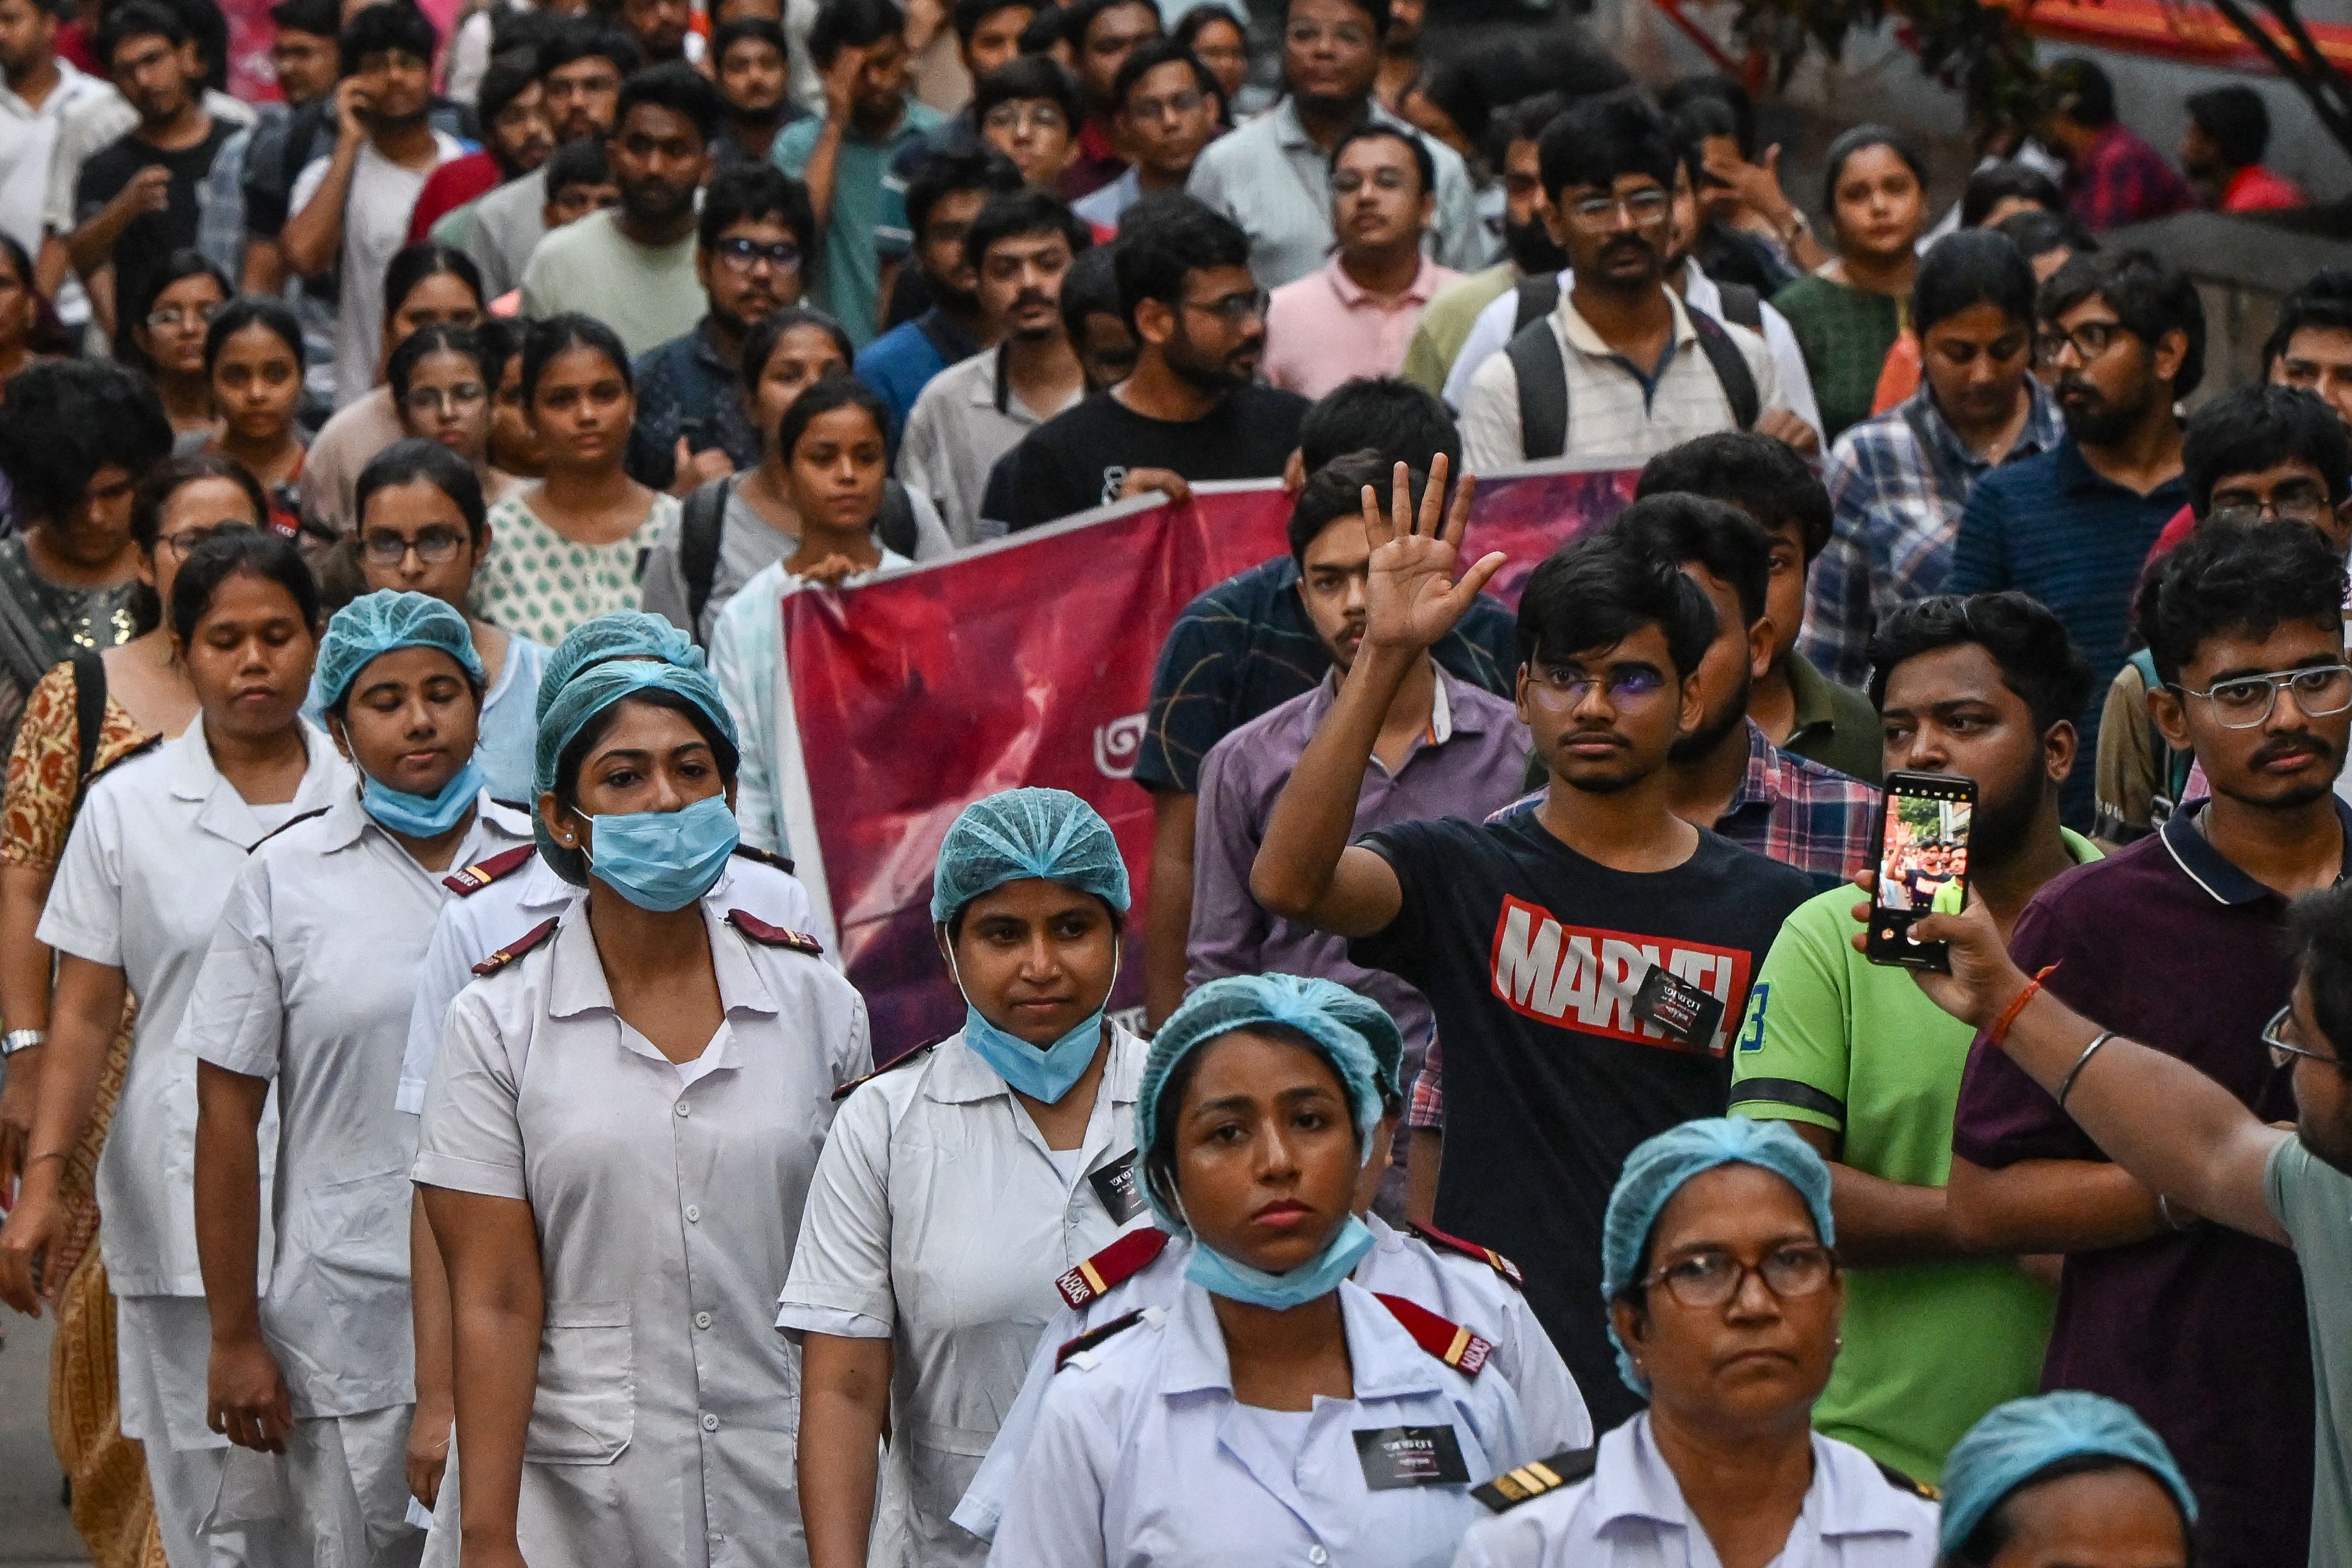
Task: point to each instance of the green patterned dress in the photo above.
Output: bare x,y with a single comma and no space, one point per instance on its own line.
540,585
1845,334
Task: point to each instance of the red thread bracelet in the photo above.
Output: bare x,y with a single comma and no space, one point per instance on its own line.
2000,1030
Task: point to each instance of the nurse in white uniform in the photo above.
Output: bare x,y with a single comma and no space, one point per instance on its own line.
961,1180
306,990
158,841
1724,1298
2065,1477
1276,1411
617,1138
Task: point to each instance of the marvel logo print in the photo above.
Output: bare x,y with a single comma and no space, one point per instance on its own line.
1587,978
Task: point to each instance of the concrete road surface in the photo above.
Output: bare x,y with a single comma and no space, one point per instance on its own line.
34,1530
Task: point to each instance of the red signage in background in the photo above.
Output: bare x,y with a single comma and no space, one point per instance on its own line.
1029,663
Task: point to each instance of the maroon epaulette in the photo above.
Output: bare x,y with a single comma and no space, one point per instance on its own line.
518,947
1487,1255
1113,1265
472,879
1095,1336
306,816
764,857
768,936
847,1090
1449,1342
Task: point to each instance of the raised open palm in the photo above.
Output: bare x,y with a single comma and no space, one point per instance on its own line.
1412,597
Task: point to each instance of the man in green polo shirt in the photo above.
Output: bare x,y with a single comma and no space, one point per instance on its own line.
1867,1070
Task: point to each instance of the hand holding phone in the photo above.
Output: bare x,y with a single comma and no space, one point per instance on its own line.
1922,864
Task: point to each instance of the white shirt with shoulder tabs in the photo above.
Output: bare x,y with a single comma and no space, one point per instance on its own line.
1143,1457
667,1198
1620,1506
937,1221
1481,1294
502,898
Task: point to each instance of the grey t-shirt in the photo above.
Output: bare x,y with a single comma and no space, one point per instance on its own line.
507,225
2312,1200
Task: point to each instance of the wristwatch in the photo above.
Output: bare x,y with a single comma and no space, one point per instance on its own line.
17,1040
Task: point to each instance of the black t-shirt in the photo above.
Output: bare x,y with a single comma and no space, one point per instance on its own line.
1077,460
1531,955
152,237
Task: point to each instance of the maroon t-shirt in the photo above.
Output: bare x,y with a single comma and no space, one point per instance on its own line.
2201,1333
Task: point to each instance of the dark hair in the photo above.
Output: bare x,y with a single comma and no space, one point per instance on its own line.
769,331
1714,87
580,161
2248,429
1762,477
559,335
2235,119
1700,117
1202,17
2229,577
2325,300
2036,234
1335,492
585,39
1459,91
1079,17
416,262
319,18
2029,643
747,192
260,553
2147,297
1994,1532
978,167
1862,138
969,14
1166,239
1029,76
1968,268
1603,587
1089,288
439,337
1376,11
1386,416
21,260
1150,56
139,19
1423,164
379,29
519,35
1018,214
63,420
1997,182
404,463
768,32
2319,928
179,267
1601,139
827,393
2082,92
501,339
678,88
600,724
1045,29
851,24
252,310
1525,120
165,479
1685,529
503,81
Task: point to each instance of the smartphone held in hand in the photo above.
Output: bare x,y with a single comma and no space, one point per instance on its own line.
1922,864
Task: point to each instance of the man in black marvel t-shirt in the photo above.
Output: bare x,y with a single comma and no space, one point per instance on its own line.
1588,960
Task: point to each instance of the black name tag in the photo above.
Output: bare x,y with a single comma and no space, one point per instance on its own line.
1115,1186
1687,1013
1395,1457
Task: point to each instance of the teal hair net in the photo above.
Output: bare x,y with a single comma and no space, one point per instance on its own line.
1354,1034
621,634
2019,1441
374,624
1021,833
564,711
1658,1167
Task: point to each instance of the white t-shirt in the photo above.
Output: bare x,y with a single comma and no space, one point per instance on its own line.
375,227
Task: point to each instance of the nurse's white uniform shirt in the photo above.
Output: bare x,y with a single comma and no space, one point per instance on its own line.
308,984
1630,1515
939,1220
663,1431
159,841
1143,1459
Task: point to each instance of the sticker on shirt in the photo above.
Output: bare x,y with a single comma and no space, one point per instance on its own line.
1685,1012
1586,977
1115,1185
1398,1457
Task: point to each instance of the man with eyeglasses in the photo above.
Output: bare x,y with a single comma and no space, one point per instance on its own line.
1193,409
1168,106
2181,942
2072,526
754,228
1272,176
1586,962
1102,34
1029,111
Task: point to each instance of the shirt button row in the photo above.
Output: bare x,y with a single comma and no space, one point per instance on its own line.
702,1320
709,1422
681,1108
1317,1554
694,1213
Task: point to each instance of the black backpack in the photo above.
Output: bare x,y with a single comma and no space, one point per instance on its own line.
1543,376
705,518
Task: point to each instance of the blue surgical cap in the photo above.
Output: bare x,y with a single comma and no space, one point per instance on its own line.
564,711
374,624
1354,1034
1658,1167
1022,833
621,634
2017,1441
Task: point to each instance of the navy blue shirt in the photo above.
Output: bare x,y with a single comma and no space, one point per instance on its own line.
2052,525
901,362
686,387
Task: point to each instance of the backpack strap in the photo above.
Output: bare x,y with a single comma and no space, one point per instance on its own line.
1538,298
2172,767
1542,374
894,522
90,718
1730,368
1742,305
700,525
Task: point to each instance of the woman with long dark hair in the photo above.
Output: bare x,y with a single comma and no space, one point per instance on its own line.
164,334
1849,312
253,357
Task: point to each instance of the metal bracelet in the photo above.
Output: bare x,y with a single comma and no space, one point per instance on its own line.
2066,1085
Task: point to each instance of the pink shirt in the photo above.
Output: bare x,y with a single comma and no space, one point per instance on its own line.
1325,329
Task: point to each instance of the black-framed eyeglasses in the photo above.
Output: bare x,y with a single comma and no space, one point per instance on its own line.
2282,1052
2247,701
1233,308
187,541
1712,1278
2304,502
1642,207
742,254
2089,340
434,547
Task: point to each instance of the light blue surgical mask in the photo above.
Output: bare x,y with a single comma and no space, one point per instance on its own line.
663,860
1221,1276
424,816
1043,1072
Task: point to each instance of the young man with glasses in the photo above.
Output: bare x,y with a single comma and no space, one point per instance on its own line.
1586,962
2179,941
1029,112
1102,35
2072,526
1168,107
754,229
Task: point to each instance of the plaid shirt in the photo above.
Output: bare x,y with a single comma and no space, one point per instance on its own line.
1897,483
2120,179
1786,808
